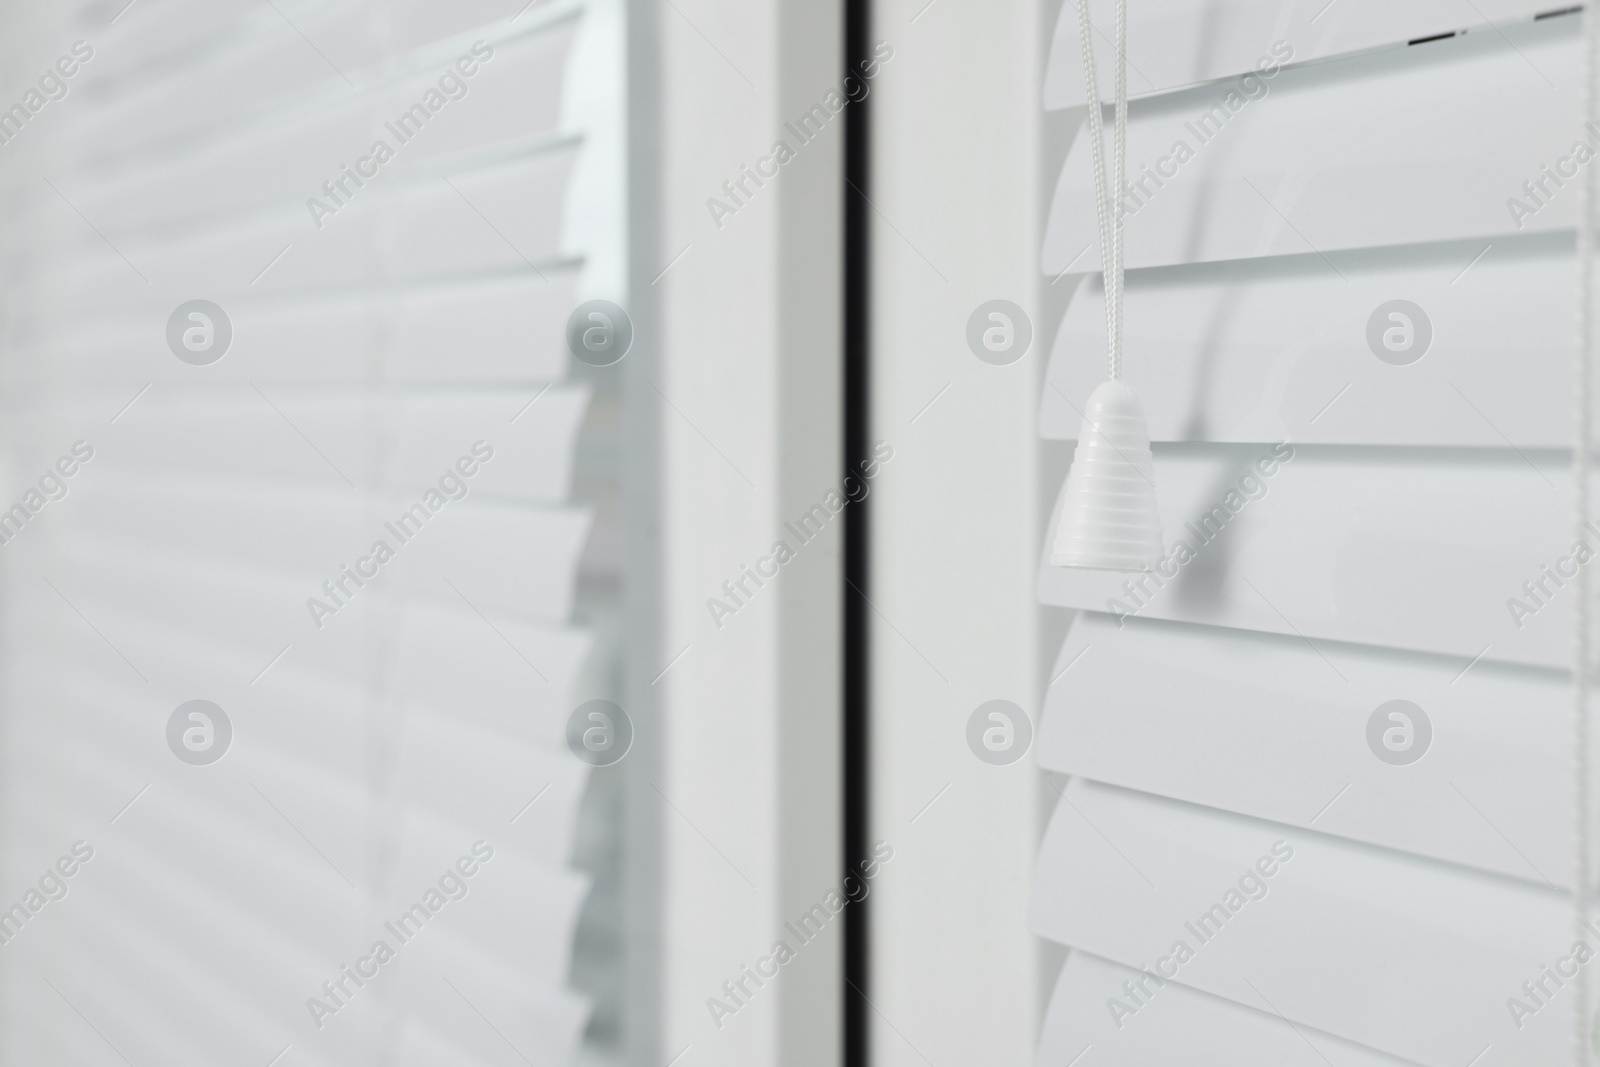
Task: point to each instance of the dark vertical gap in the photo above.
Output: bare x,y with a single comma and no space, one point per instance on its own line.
857,442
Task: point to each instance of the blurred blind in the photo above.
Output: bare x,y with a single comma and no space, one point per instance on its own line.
370,195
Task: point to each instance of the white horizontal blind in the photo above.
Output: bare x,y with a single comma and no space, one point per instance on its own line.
395,376
1367,517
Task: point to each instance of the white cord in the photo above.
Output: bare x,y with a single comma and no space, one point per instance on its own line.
1120,204
1108,212
1582,435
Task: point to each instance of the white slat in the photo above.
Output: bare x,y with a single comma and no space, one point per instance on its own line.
496,329
151,35
460,778
488,666
498,218
1272,727
231,78
506,216
1410,957
1173,43
403,441
515,95
518,559
1425,144
234,75
1181,1025
1280,349
1422,551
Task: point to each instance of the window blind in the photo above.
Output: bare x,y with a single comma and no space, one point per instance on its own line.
1366,519
397,771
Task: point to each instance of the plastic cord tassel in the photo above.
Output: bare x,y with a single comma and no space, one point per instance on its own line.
1109,520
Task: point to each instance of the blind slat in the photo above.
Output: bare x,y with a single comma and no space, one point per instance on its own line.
1410,957
1385,149
1173,43
1285,349
1425,551
1268,726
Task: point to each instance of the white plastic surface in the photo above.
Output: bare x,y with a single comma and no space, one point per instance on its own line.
1109,519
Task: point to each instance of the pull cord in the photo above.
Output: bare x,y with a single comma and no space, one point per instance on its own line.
1108,212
